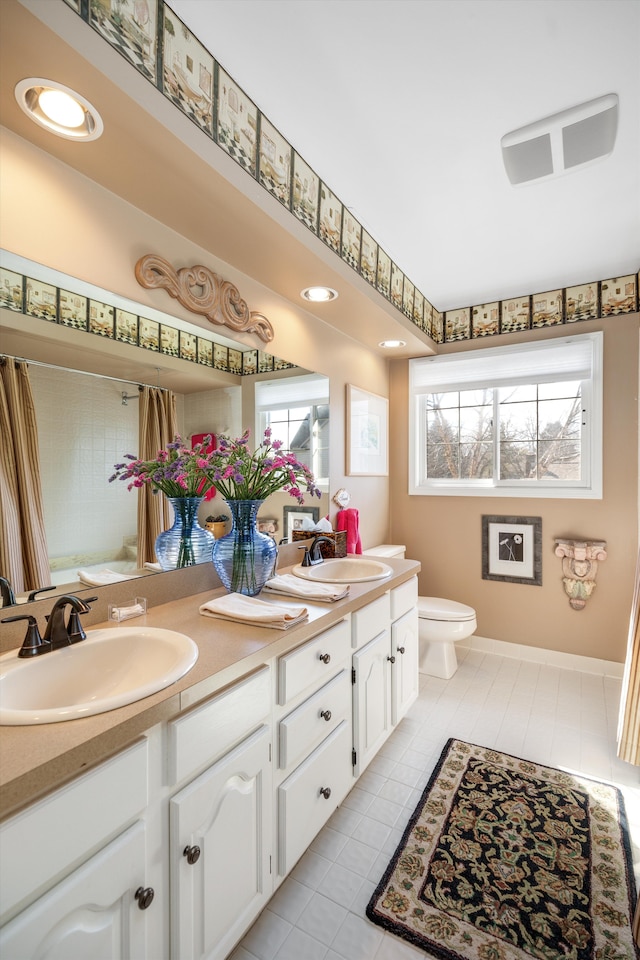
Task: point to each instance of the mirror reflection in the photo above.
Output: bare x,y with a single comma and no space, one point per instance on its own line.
86,423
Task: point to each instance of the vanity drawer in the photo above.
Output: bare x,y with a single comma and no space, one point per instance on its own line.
302,808
314,662
368,622
206,732
404,598
305,727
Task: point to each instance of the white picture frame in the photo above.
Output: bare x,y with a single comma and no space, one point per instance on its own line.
367,434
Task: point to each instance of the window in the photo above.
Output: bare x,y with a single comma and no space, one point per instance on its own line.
297,411
509,421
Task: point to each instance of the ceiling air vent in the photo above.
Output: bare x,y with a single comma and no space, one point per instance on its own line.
563,142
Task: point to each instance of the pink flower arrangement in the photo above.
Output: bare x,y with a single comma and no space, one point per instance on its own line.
176,471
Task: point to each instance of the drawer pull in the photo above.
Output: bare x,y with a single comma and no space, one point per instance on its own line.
144,896
400,649
391,659
325,657
192,854
326,715
325,792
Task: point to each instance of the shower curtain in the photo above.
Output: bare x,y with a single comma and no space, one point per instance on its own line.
24,559
157,428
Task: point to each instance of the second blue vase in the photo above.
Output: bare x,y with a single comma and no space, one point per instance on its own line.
244,558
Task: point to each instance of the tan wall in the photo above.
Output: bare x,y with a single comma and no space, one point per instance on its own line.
59,218
444,533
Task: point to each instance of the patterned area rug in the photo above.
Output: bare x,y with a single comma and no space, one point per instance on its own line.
509,860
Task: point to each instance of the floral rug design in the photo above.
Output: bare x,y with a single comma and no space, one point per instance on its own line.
504,859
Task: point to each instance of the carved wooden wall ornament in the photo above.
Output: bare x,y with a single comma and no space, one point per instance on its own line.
202,291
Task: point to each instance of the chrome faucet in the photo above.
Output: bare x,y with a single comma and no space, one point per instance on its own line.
312,555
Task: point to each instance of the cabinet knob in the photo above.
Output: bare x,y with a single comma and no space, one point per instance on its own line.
325,792
400,650
144,896
325,657
391,659
326,715
192,854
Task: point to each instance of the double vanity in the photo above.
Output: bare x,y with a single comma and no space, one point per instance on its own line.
162,828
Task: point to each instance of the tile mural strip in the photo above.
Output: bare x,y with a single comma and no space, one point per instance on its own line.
35,298
151,37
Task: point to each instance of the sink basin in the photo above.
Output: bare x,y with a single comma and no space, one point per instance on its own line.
112,667
344,570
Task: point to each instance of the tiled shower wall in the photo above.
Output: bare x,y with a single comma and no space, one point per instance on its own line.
83,430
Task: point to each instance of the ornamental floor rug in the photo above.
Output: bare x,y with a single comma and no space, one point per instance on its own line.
504,859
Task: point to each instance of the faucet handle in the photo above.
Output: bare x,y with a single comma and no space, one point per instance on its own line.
74,627
306,560
33,644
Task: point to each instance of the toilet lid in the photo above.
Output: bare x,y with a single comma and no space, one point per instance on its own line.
435,608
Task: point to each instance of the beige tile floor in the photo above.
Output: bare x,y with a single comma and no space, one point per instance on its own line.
558,717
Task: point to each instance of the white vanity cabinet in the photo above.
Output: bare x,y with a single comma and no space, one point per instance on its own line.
76,847
313,739
220,823
385,668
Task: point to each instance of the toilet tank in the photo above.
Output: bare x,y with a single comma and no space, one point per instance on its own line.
386,550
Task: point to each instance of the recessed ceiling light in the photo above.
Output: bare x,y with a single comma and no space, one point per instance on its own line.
389,344
59,109
319,294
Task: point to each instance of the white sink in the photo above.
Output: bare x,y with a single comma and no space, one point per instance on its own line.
112,667
344,570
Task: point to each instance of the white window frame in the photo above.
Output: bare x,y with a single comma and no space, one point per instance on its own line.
560,358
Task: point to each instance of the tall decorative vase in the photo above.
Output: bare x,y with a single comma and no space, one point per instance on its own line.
244,559
186,542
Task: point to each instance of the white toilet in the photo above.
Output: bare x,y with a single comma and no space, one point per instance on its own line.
442,623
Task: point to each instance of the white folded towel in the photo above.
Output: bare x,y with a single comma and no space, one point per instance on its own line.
101,578
153,566
241,609
311,590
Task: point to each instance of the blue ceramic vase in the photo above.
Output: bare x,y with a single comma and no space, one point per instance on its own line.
244,558
186,542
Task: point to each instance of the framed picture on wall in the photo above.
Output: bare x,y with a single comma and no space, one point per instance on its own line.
367,434
512,549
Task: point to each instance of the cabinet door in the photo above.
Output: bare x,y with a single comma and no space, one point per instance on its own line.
404,670
92,913
226,812
371,699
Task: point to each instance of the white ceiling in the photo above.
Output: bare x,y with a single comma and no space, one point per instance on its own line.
400,105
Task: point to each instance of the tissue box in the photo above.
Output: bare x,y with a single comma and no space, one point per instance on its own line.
328,550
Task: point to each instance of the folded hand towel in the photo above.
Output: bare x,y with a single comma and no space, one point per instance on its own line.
101,578
290,584
349,520
249,610
153,566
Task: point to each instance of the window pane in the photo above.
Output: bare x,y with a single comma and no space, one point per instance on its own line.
526,391
518,421
559,460
476,423
476,461
549,391
559,418
442,426
436,400
518,461
476,398
442,461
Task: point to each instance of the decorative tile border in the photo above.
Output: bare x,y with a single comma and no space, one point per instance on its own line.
35,298
167,54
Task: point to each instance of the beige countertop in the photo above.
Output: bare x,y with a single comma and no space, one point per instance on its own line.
38,758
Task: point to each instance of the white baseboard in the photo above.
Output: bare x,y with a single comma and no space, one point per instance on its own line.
566,661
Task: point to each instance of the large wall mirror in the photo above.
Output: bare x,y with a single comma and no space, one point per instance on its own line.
87,419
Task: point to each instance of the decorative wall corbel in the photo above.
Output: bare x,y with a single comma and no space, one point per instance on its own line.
219,300
580,565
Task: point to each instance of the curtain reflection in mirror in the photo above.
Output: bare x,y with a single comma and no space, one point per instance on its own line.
23,546
158,426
